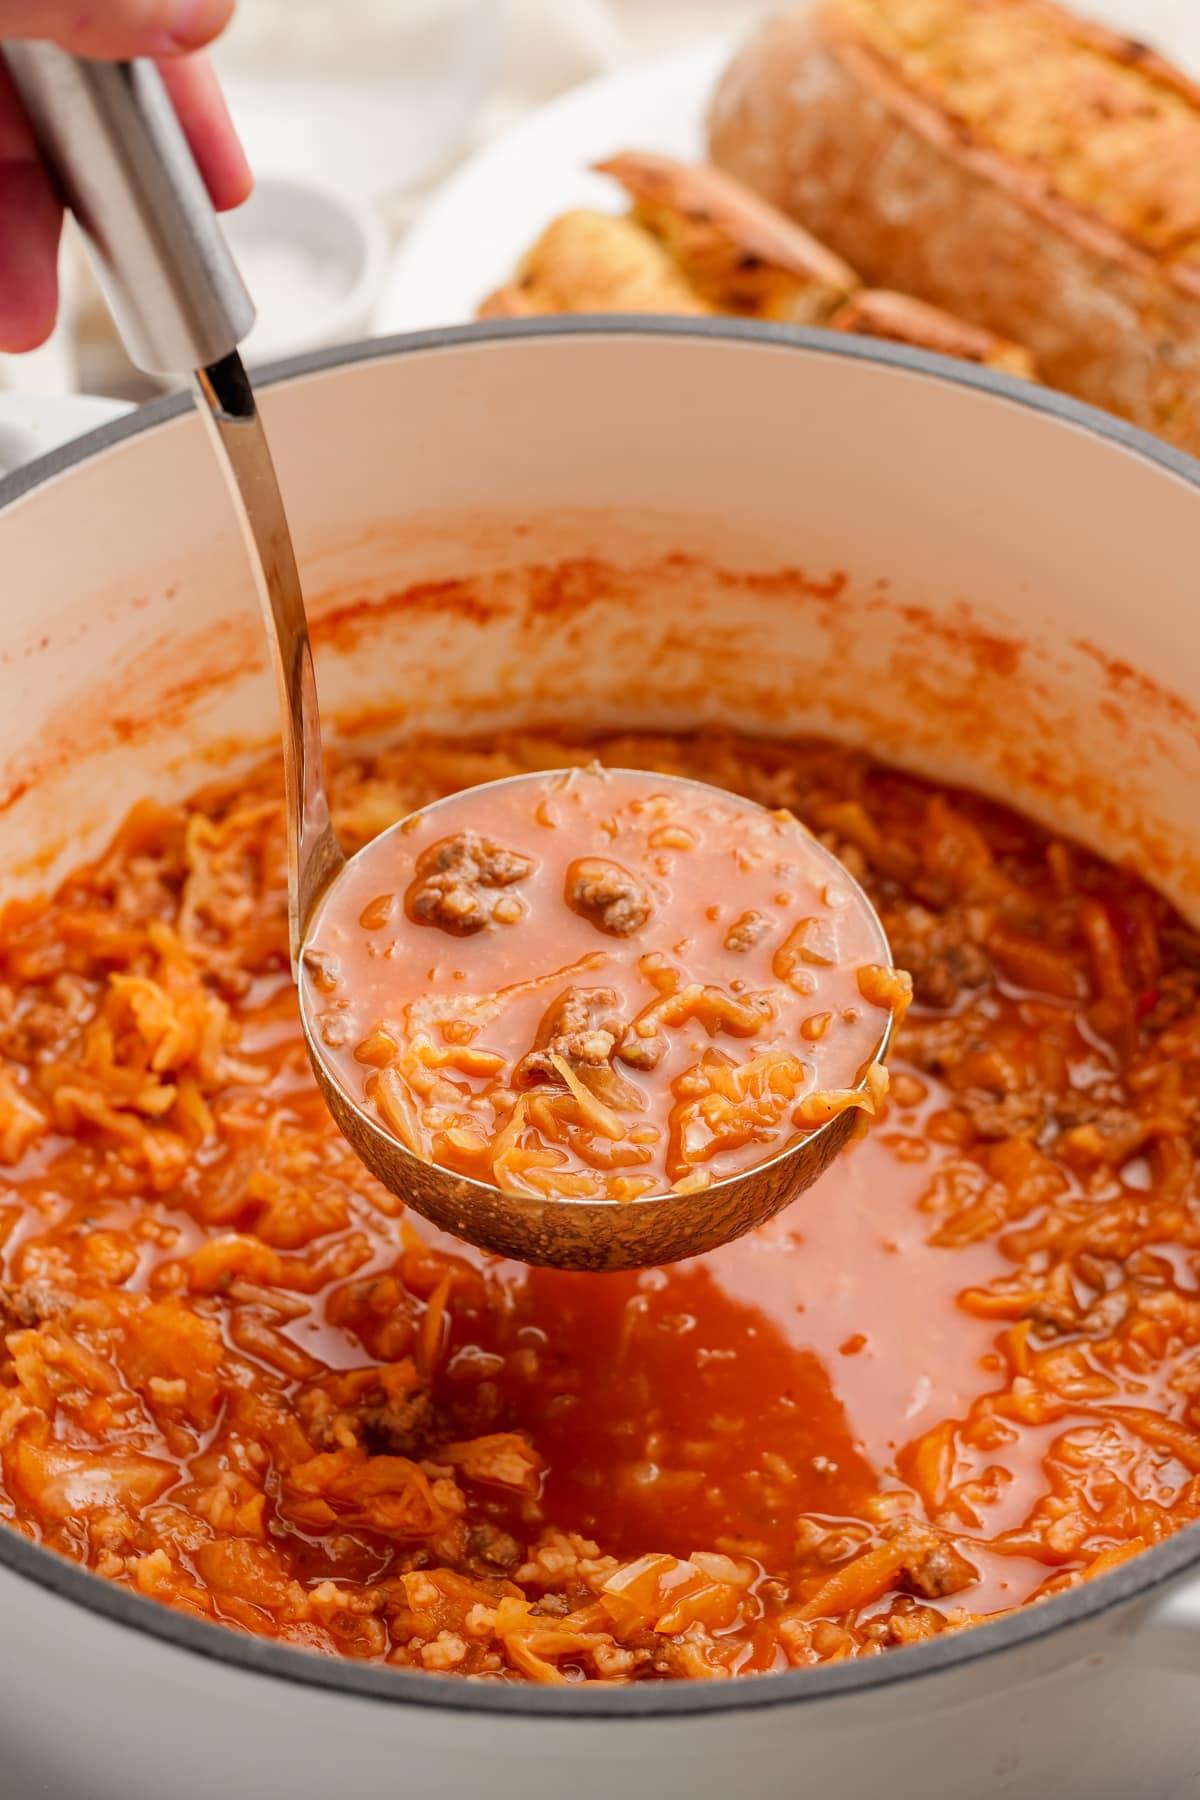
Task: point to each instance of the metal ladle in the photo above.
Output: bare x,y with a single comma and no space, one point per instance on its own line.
109,133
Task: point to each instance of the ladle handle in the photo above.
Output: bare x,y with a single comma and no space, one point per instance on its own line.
314,854
109,133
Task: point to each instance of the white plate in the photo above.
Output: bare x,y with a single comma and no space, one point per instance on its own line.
470,236
32,424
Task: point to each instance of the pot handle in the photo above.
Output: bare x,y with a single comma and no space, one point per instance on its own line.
33,424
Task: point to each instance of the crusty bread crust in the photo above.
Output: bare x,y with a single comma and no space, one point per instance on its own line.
879,313
508,302
822,123
740,253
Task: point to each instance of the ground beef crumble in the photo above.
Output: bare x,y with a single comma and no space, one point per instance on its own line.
460,884
582,1026
746,931
608,895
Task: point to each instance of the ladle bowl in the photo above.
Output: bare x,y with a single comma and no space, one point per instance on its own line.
566,1231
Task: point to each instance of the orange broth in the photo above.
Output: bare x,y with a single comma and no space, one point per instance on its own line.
961,1373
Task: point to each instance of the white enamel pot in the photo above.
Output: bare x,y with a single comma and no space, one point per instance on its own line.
608,522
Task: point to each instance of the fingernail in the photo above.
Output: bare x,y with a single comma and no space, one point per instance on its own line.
195,23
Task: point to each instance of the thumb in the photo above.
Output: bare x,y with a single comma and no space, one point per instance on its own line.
117,28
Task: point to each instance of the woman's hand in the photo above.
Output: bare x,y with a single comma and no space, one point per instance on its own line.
30,213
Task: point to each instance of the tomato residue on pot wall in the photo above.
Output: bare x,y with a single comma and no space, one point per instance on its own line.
675,639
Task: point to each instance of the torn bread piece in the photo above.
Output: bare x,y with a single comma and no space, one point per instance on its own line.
878,313
698,242
739,253
594,262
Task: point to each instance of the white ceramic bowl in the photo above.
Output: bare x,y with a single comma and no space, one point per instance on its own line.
972,576
313,259
32,424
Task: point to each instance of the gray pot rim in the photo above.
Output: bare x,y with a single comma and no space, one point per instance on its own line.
1144,1573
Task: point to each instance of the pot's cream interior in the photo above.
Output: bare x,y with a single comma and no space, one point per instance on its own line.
625,528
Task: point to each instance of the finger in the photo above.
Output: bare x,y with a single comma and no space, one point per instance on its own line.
29,239
197,98
117,28
28,256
